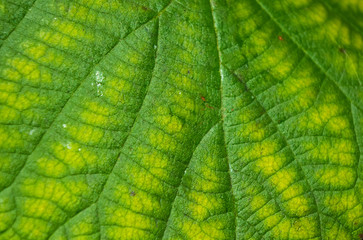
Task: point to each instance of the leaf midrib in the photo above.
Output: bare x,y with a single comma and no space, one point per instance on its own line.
222,116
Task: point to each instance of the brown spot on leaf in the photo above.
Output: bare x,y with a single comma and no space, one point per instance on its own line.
342,50
210,107
281,38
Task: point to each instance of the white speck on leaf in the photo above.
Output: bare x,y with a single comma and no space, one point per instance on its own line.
222,74
69,146
79,149
31,132
64,125
99,80
230,168
155,47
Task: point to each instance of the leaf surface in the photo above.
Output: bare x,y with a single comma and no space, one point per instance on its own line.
164,119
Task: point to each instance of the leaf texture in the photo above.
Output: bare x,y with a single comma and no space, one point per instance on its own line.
189,119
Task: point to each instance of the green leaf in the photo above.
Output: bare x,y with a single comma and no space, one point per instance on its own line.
189,119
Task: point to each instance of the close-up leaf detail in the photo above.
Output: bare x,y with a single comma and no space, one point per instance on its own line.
181,119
